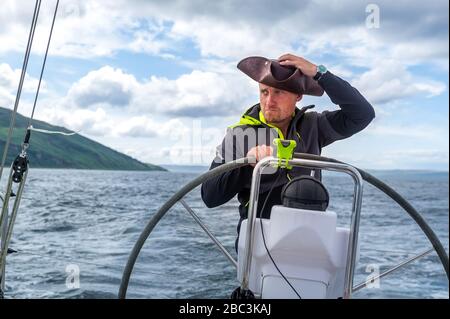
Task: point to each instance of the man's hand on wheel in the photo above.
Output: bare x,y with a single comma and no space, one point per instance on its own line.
259,152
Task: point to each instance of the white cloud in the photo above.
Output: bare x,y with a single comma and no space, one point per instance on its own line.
187,141
6,98
136,127
409,32
100,122
401,158
147,42
221,39
145,126
9,82
83,121
389,81
422,51
83,29
196,94
105,85
410,158
418,131
111,103
220,66
9,79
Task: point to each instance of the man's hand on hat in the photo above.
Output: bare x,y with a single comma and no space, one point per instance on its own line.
259,152
307,68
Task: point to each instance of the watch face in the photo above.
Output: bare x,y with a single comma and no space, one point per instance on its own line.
322,69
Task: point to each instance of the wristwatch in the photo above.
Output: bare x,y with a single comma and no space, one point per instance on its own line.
321,70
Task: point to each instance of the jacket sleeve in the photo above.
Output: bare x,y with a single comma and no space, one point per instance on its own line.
355,113
221,189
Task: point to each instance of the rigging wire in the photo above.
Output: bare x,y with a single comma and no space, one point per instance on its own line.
22,77
43,63
19,166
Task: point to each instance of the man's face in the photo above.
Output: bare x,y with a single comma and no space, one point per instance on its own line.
277,105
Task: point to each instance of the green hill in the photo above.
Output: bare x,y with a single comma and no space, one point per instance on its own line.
59,151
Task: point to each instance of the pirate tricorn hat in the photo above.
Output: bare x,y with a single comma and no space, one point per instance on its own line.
272,73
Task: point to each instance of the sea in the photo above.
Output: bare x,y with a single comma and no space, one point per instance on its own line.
75,230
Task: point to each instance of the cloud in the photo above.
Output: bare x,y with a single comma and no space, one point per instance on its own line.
145,126
401,158
389,81
9,79
147,42
136,127
390,64
415,132
414,157
312,28
100,122
6,98
9,82
233,29
83,29
241,39
83,121
196,94
105,85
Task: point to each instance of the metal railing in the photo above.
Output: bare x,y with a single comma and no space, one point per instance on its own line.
355,217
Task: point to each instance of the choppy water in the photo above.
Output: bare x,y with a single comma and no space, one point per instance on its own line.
74,220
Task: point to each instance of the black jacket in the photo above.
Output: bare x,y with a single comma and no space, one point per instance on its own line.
311,130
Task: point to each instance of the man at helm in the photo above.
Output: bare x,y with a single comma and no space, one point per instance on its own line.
282,83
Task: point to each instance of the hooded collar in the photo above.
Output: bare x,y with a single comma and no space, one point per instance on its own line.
254,117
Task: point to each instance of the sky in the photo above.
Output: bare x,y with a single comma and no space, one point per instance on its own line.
157,80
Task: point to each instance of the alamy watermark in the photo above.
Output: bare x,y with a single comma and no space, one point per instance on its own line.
73,276
373,280
200,145
373,19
